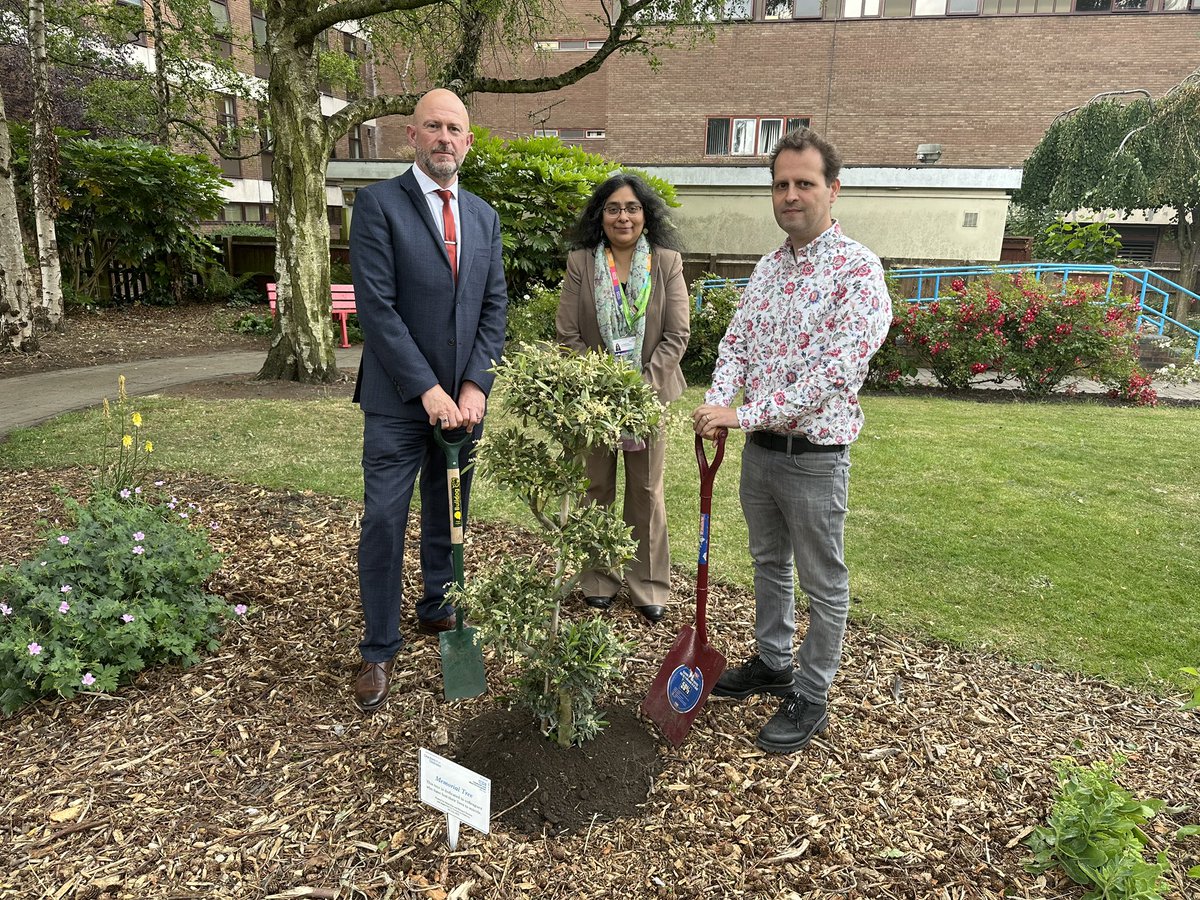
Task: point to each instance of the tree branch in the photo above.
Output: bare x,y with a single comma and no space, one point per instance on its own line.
370,108
305,30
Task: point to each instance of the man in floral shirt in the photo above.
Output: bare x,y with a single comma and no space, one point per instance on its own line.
797,348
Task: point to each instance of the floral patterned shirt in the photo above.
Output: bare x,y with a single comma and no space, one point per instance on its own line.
800,340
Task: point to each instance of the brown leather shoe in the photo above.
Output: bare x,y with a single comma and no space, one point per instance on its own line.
436,626
371,685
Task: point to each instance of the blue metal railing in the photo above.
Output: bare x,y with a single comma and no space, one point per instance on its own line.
1154,293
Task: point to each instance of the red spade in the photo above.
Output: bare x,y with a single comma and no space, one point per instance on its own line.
692,666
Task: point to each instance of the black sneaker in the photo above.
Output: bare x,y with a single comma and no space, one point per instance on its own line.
754,677
796,723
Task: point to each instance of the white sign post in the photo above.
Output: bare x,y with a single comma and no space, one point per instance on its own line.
463,795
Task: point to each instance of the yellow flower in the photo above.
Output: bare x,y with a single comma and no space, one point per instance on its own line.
149,446
127,441
136,418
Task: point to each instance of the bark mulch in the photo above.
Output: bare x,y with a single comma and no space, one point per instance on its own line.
251,775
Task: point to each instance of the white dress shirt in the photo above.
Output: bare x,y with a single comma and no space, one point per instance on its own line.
429,188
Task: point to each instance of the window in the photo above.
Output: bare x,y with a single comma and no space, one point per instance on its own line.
572,45
748,136
971,220
737,10
222,42
258,31
545,132
227,124
743,137
808,9
356,142
769,133
962,8
595,45
594,133
792,9
267,156
857,9
777,9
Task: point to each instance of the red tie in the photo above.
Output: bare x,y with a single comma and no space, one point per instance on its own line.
451,236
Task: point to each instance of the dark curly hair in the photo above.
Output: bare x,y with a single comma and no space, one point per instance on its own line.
589,230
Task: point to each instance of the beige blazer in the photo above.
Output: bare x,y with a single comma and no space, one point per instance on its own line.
668,319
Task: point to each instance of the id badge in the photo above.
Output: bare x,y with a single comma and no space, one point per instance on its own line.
623,347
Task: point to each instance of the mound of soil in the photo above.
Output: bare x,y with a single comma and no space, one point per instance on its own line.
537,785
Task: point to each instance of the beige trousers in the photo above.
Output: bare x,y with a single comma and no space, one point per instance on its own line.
645,511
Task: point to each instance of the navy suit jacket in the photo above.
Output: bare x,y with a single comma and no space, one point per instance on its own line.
418,328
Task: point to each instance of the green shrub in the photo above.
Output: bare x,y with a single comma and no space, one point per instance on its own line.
121,589
531,316
709,323
1094,834
127,203
1017,327
254,323
1077,242
538,186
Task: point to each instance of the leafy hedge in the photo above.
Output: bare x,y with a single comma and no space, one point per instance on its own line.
538,186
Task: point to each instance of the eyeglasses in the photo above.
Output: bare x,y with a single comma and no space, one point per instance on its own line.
612,210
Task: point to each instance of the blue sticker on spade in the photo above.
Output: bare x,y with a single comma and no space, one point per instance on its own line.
685,687
703,538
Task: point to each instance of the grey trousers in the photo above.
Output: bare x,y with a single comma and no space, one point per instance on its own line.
795,508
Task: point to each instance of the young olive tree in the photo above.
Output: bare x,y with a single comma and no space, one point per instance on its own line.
561,405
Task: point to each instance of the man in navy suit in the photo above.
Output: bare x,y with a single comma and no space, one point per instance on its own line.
432,302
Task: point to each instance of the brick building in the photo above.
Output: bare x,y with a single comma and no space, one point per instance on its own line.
978,79
981,79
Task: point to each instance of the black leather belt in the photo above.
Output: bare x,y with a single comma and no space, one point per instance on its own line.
791,443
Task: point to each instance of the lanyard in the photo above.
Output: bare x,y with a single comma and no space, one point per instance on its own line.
631,311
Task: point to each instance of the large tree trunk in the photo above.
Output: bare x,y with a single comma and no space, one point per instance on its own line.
16,295
1187,238
43,163
302,341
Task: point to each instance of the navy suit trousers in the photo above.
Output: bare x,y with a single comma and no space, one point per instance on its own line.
395,450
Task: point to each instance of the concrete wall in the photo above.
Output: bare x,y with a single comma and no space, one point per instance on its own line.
896,224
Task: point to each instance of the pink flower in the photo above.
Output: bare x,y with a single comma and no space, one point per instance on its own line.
65,589
138,550
63,539
64,607
240,609
5,609
88,679
126,493
139,536
127,618
35,648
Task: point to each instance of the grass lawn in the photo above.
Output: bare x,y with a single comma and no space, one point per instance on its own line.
1062,533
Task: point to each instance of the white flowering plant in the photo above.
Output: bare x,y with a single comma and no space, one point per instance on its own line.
563,405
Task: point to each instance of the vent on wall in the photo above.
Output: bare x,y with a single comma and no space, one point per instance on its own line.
971,220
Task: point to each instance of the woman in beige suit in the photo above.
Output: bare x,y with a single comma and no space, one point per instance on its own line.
624,294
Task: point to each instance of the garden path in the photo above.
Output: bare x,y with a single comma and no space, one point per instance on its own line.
30,399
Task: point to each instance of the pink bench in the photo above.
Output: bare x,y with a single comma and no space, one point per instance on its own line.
342,296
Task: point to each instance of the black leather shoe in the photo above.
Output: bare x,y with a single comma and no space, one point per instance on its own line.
598,602
753,677
652,613
796,723
371,685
